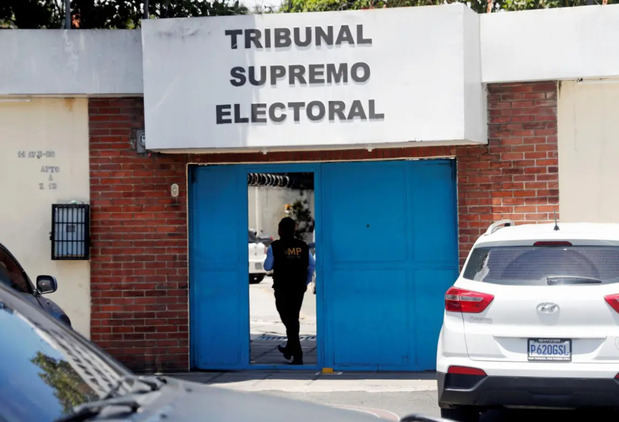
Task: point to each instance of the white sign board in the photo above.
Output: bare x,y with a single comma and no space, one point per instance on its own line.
314,79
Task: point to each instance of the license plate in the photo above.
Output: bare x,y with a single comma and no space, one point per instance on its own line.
549,349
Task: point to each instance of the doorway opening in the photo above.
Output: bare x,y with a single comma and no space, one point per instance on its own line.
271,197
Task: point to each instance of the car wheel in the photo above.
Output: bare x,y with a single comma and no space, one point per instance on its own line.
255,278
461,413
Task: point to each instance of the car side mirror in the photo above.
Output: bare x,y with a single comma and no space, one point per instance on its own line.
46,284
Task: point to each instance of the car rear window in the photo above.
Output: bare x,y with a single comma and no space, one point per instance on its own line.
544,265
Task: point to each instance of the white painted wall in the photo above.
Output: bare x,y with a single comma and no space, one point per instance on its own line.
82,62
545,44
35,133
588,131
550,44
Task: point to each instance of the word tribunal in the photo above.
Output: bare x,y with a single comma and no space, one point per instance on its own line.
300,37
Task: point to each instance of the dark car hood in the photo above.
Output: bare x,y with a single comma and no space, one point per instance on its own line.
53,309
187,401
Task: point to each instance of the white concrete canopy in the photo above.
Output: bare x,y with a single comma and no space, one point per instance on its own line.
550,44
70,62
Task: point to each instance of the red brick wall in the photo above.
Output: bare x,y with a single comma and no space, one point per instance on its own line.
139,244
139,233
516,175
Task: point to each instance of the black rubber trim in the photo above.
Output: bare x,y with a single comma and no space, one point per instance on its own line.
528,392
463,382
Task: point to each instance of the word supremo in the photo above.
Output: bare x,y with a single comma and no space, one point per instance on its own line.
313,111
297,74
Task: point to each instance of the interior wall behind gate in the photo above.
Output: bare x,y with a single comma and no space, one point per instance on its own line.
139,281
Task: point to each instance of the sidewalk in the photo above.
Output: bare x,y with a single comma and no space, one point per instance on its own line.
315,381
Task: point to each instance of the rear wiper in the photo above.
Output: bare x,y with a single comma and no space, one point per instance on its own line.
571,279
93,408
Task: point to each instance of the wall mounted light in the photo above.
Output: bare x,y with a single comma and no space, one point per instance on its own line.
174,190
138,141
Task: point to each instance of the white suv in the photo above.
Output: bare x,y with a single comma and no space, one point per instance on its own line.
532,321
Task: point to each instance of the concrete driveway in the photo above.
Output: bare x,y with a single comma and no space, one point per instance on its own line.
390,395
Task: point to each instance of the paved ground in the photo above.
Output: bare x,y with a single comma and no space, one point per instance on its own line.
264,349
267,331
390,395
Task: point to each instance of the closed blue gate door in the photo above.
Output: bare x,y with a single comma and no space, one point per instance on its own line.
389,251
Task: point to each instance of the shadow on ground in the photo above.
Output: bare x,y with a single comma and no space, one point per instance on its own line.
582,415
222,377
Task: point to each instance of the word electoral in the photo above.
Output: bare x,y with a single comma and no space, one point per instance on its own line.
313,111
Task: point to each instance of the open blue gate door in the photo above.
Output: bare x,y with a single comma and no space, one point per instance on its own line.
218,267
386,236
389,251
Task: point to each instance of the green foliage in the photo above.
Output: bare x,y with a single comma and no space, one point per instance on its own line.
126,14
30,14
326,5
301,213
120,14
479,6
544,4
68,387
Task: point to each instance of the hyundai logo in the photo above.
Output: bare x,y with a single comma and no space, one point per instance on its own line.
547,308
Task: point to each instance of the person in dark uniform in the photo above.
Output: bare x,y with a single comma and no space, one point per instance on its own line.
293,267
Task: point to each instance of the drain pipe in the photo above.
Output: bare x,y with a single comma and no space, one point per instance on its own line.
257,212
145,9
67,14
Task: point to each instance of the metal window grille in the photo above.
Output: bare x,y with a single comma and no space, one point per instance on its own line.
70,231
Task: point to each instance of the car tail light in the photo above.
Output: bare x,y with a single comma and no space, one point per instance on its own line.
617,376
613,300
466,370
460,300
552,243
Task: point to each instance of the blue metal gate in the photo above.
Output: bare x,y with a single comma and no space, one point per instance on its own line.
386,236
219,316
390,252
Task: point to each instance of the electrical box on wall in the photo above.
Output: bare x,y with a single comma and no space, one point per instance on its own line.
70,231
